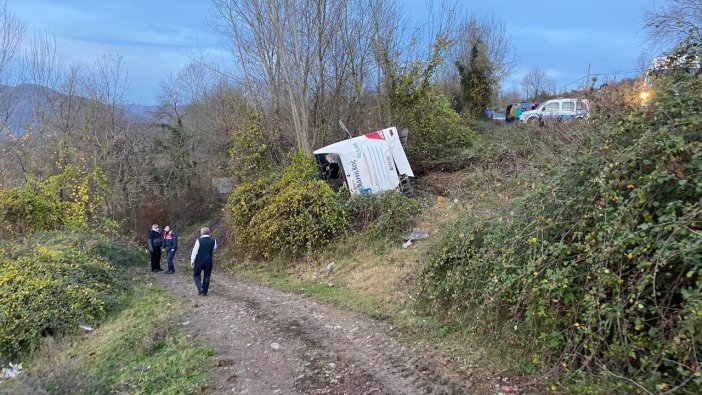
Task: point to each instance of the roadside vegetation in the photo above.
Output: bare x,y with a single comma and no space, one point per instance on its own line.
140,348
73,313
566,258
577,247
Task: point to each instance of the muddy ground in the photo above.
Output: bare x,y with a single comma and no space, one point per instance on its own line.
272,342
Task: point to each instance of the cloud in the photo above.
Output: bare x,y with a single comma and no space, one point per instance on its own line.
154,37
589,36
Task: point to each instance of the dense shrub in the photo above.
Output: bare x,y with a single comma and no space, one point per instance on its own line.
602,266
291,212
70,198
51,282
382,216
438,138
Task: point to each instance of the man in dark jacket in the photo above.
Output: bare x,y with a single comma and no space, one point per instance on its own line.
201,260
154,241
170,245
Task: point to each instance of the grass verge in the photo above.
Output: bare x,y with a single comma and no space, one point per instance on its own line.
140,350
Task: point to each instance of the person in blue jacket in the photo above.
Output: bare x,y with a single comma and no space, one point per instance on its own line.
170,245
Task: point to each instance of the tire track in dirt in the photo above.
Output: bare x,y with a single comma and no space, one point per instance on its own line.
272,342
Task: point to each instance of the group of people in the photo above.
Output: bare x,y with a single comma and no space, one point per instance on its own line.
201,258
514,111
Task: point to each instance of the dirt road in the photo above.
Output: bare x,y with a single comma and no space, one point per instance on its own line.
272,342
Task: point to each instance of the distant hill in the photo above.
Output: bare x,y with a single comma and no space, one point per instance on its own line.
21,105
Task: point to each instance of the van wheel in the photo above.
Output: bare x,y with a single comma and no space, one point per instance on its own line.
406,187
534,121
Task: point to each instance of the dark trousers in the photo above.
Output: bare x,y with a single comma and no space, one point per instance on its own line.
202,284
169,260
156,259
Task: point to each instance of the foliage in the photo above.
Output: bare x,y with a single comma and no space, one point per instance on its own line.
177,149
600,268
141,348
477,81
291,212
437,136
250,149
70,198
382,216
51,282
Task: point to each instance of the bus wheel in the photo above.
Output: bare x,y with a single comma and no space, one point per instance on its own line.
406,187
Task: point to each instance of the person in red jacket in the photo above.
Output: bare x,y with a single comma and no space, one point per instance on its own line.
170,245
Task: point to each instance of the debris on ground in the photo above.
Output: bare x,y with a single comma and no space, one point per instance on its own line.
328,269
86,328
417,234
10,372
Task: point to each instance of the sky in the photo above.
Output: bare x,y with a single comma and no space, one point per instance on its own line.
158,37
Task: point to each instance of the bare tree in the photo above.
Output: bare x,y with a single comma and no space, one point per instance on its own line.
491,31
308,63
285,44
536,83
12,29
676,21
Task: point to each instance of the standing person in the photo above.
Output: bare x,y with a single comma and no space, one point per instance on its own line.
507,112
201,260
518,112
170,245
154,241
512,112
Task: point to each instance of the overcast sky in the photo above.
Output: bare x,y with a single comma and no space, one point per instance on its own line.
156,37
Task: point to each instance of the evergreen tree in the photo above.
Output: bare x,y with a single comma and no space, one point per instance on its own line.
477,80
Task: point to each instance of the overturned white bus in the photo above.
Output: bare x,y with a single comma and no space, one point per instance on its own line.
374,162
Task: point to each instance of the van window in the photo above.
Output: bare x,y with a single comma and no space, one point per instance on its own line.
551,106
581,106
568,106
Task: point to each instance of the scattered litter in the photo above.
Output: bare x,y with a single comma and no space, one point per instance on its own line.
329,267
12,371
332,365
455,200
417,234
185,323
507,389
275,346
86,328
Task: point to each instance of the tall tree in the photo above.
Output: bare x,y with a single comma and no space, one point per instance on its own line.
477,81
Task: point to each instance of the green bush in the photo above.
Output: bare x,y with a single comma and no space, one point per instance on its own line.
291,212
382,216
51,282
70,199
601,268
23,210
438,138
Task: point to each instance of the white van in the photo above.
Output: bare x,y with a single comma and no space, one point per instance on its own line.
556,109
374,162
